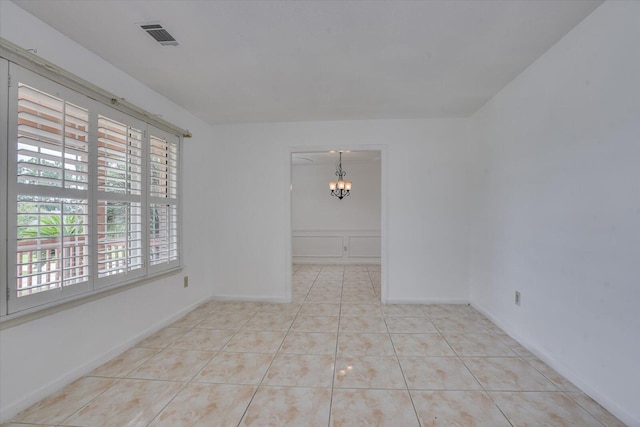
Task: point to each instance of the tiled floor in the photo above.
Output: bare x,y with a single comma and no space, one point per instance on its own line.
335,356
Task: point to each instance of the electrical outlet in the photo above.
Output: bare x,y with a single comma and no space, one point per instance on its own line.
186,281
517,297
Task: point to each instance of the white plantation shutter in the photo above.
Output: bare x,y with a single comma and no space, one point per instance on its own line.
93,194
4,120
163,199
50,237
119,198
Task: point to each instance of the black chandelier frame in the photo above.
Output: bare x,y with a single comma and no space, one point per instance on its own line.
340,193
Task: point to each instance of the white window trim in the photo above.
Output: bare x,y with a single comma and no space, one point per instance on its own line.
96,195
9,188
4,175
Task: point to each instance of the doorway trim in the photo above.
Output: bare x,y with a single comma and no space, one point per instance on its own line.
384,210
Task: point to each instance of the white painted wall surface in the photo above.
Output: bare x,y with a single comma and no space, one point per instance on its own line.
329,230
557,207
38,357
426,201
314,208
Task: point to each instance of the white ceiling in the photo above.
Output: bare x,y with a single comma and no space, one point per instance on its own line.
348,157
243,61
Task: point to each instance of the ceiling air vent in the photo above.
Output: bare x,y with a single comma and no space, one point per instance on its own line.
159,34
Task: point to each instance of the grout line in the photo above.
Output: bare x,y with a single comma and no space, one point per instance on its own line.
271,363
192,379
335,354
350,284
406,384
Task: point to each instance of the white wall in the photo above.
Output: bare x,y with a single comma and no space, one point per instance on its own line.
556,207
38,357
329,230
314,208
427,219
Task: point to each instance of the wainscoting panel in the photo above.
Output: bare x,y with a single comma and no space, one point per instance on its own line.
336,246
364,246
317,246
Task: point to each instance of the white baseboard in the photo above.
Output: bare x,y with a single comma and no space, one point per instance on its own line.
562,369
426,301
12,410
335,261
251,298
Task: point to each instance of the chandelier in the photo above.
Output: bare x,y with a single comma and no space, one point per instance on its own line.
340,188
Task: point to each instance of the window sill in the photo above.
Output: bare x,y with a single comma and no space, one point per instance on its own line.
38,312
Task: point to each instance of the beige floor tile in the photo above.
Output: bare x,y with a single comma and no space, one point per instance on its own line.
310,343
360,299
203,339
128,403
522,351
327,288
125,362
319,310
410,325
25,425
172,365
315,324
380,408
304,370
561,382
365,345
236,307
403,310
288,406
363,324
255,342
421,345
458,325
596,410
361,310
297,296
446,310
62,404
354,290
368,372
205,405
322,297
457,409
235,368
163,338
290,309
231,320
336,335
437,373
478,345
537,409
508,374
190,320
356,287
268,322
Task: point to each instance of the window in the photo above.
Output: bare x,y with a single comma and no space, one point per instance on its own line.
92,196
119,198
163,193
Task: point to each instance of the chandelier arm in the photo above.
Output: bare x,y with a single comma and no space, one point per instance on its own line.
343,192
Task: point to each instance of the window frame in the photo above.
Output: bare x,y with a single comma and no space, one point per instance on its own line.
4,176
14,306
116,279
153,131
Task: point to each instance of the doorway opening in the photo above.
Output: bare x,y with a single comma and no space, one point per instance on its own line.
335,238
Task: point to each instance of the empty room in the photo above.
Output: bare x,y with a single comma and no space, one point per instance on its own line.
319,213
